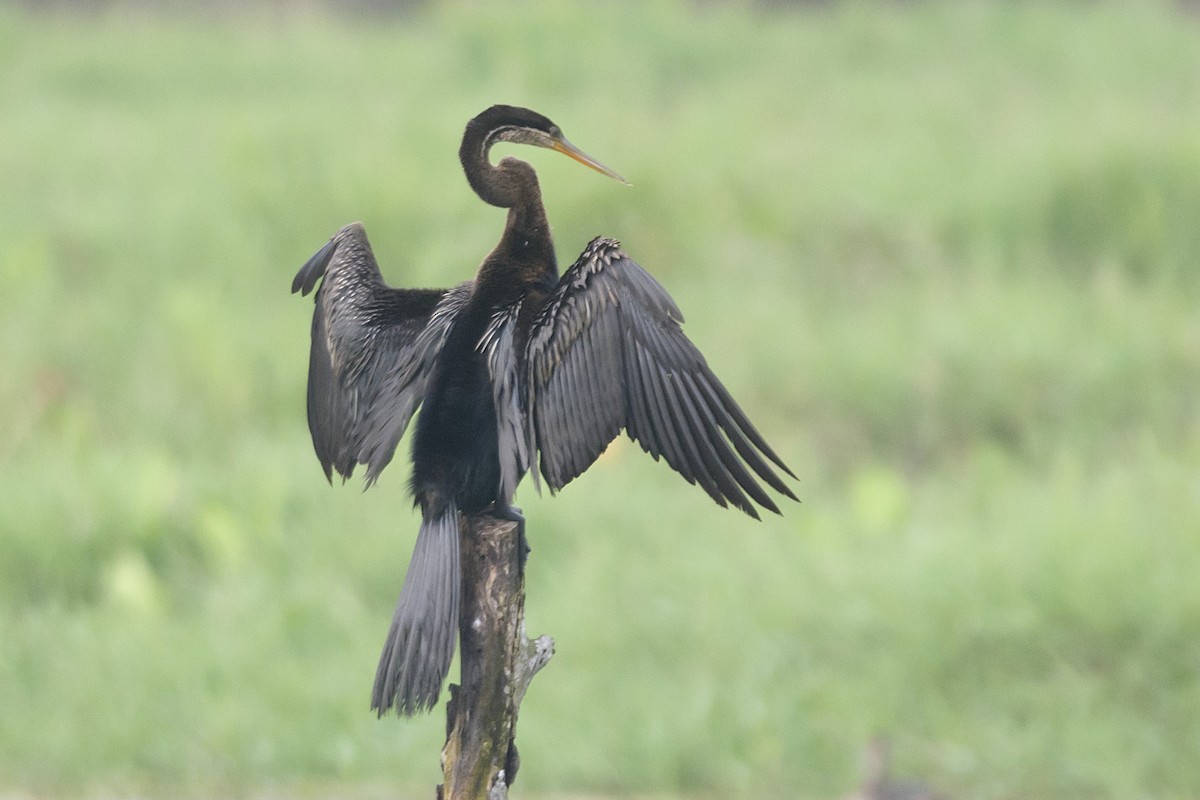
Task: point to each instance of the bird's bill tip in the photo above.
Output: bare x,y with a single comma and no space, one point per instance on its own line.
567,149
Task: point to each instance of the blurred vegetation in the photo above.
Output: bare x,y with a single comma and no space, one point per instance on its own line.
944,253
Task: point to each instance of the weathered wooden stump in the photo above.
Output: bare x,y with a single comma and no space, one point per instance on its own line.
479,760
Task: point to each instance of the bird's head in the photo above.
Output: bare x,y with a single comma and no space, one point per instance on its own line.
521,125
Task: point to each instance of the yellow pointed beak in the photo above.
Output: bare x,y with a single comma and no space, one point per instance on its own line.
561,144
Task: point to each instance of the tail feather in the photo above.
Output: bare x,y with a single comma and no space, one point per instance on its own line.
420,642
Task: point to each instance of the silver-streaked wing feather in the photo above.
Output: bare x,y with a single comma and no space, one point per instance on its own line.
372,351
607,352
499,348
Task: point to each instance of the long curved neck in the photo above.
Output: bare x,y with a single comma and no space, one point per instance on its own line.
503,185
526,245
515,183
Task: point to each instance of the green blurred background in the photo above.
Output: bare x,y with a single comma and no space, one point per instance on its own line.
944,253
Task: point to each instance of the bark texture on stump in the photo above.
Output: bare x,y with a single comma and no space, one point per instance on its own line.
498,661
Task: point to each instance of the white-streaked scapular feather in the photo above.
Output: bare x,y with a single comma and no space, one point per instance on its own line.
498,346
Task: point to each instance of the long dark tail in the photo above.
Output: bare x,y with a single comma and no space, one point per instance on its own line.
421,641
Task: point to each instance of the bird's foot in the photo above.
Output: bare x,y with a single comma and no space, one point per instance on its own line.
508,512
513,514
523,548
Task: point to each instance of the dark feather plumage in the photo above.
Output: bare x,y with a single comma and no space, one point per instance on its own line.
609,340
517,370
372,350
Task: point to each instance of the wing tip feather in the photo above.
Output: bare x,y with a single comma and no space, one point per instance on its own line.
314,269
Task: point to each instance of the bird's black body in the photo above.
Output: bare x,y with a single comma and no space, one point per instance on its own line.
456,450
456,457
518,370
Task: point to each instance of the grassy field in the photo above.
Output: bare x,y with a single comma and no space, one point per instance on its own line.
945,254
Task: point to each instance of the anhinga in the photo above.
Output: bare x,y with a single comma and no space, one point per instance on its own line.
517,370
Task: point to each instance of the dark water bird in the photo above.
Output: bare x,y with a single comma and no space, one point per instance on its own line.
519,370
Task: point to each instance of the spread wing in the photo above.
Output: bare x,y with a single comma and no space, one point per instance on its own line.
372,350
607,352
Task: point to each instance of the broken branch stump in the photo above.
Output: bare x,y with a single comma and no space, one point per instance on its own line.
479,760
